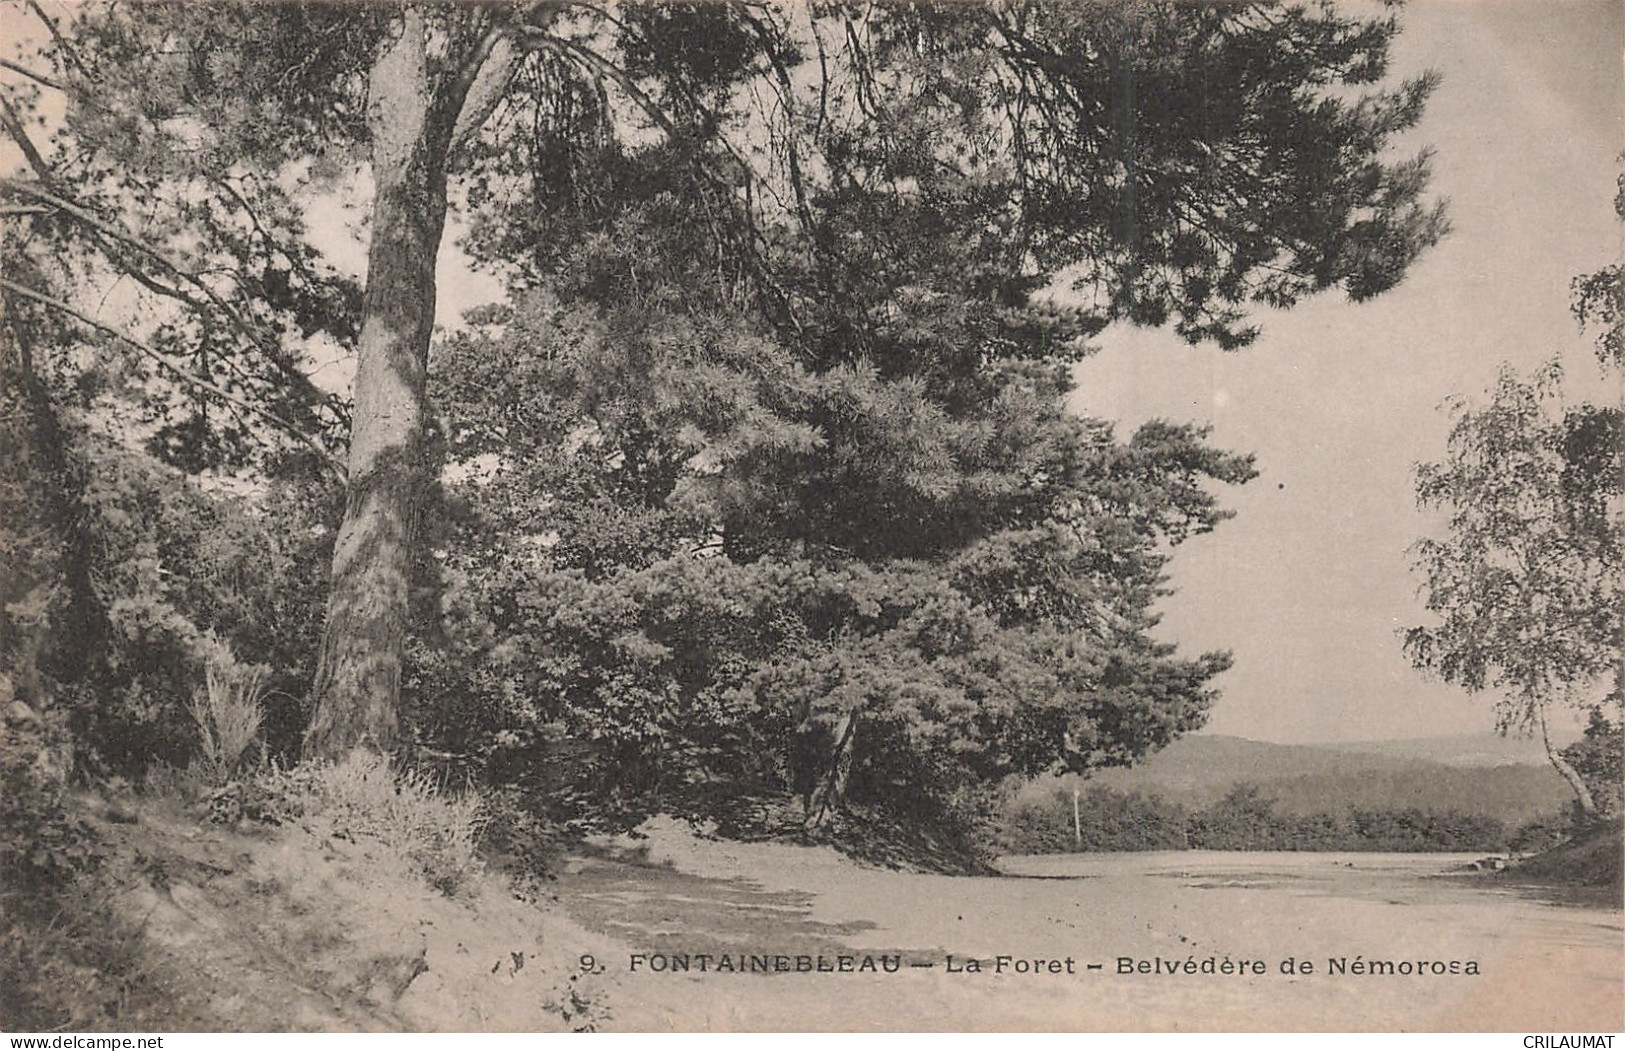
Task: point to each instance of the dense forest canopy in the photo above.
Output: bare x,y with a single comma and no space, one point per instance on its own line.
760,481
1525,580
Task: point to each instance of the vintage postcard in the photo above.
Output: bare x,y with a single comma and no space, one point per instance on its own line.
791,516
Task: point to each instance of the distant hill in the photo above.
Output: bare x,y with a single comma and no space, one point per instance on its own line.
1462,750
1463,774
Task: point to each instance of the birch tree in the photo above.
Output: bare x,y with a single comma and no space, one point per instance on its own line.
1525,581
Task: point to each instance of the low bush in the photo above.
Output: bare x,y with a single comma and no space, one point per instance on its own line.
67,961
1245,819
365,797
43,843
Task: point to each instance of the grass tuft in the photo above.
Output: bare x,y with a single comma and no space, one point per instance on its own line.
228,712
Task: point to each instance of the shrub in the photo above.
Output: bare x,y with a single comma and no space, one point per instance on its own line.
1541,834
363,797
1599,758
129,576
67,960
1245,819
1107,821
43,843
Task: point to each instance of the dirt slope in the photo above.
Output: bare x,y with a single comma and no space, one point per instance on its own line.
277,930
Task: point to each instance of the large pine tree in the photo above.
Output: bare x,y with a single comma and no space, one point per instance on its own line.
1172,163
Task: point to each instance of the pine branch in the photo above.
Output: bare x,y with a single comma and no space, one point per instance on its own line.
68,51
129,240
103,232
38,78
12,121
180,374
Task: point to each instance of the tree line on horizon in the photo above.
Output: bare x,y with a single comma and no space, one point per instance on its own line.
1250,818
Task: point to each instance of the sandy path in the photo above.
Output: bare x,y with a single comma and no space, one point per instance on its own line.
1543,968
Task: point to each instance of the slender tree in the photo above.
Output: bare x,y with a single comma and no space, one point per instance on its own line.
1526,581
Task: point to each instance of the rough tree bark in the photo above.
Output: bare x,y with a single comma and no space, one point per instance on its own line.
357,687
419,114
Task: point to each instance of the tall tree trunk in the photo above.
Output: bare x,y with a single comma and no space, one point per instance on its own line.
357,687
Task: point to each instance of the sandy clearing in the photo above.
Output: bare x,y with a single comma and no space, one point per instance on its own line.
1544,968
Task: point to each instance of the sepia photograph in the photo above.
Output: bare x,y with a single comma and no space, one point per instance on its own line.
811,516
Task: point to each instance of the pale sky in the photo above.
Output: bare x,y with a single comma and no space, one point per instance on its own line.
1310,582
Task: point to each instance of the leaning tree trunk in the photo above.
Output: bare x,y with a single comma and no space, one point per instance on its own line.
835,774
358,676
1582,794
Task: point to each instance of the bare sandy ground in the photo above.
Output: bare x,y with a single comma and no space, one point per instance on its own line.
1542,967
279,930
